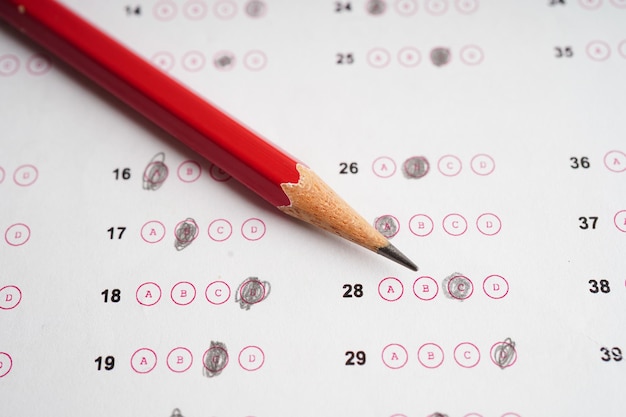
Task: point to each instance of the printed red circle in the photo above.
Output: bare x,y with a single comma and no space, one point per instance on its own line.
406,7
9,64
243,293
466,6
217,292
496,287
463,359
378,57
218,174
384,167
5,359
424,293
152,231
615,161
193,61
38,64
255,60
144,296
394,287
17,234
394,352
195,9
409,56
163,60
10,297
482,164
219,351
253,229
495,346
598,50
452,284
189,171
252,352
143,361
164,10
421,225
25,175
179,359
220,230
449,165
489,224
454,224
181,298
424,355
436,7
225,9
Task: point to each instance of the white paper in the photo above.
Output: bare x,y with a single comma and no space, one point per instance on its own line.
502,125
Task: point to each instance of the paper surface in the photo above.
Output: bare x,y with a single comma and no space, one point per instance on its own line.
515,213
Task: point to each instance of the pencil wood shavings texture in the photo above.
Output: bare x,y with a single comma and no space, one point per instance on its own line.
316,203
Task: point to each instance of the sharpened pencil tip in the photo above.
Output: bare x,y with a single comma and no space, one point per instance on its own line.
395,255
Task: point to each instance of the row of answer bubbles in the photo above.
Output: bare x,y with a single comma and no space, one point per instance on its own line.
410,56
24,175
503,354
36,64
166,10
187,230
194,61
215,359
249,292
416,167
411,7
453,224
456,286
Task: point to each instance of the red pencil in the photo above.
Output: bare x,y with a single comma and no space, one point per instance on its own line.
277,177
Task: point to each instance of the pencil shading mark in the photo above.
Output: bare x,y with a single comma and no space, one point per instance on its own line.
252,291
224,61
504,353
457,286
387,226
155,173
176,413
415,167
376,7
215,359
438,415
440,56
186,232
255,8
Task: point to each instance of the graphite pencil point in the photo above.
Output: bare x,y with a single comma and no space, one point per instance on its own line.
395,255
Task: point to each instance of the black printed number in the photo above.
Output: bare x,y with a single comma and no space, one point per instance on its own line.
342,6
348,168
355,290
120,232
582,162
344,59
601,286
107,363
355,358
133,10
611,354
563,52
114,295
588,222
122,173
